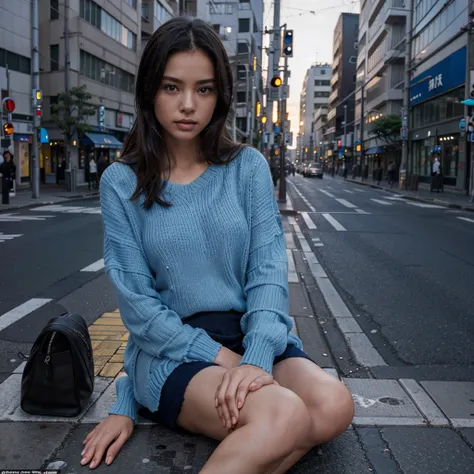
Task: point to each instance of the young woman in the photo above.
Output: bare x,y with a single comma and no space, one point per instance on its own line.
195,248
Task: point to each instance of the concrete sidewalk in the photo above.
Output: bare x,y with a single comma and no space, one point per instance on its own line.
448,198
48,195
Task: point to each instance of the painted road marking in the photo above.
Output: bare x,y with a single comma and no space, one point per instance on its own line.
348,192
21,311
18,218
317,242
312,209
384,203
358,190
311,225
425,206
68,209
5,237
334,223
462,218
327,193
94,267
346,203
360,211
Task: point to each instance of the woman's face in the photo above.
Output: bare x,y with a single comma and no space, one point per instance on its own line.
7,157
186,99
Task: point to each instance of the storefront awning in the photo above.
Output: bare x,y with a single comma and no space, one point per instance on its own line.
375,150
101,140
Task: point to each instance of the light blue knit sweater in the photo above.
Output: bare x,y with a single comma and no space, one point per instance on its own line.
219,247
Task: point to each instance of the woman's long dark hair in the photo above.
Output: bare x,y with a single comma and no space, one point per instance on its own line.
145,147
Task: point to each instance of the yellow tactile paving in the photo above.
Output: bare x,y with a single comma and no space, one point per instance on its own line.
109,339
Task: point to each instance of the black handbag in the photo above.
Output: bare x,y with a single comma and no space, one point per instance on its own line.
58,378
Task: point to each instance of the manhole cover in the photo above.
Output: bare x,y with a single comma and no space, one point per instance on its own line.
391,401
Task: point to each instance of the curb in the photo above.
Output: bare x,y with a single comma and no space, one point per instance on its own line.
48,203
447,204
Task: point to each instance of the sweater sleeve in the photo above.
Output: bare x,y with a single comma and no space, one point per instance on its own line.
266,323
154,328
125,402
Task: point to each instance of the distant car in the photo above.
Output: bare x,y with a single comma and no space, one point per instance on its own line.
313,170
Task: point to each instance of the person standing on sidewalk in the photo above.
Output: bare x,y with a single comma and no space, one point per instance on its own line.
391,174
93,175
195,248
7,170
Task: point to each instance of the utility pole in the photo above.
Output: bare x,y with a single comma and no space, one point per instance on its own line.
406,95
282,188
35,166
66,45
275,61
362,123
345,128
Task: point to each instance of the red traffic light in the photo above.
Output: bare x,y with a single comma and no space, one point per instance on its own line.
9,104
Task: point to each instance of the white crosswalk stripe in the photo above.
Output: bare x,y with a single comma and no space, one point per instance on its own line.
346,203
466,219
5,237
425,206
68,209
309,222
328,194
384,203
348,192
18,218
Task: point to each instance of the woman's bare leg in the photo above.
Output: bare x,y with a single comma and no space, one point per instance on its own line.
273,423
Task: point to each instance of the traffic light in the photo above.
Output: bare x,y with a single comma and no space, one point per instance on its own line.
8,107
258,109
276,81
264,119
288,44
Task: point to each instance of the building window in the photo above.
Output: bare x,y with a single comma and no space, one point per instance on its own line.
161,14
322,94
242,48
54,10
241,73
132,3
145,10
241,97
244,5
15,61
242,123
322,72
53,100
98,70
244,25
221,8
321,83
54,57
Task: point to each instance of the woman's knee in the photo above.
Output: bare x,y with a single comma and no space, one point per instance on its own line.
280,411
331,415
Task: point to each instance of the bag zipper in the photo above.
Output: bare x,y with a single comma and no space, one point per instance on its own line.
47,359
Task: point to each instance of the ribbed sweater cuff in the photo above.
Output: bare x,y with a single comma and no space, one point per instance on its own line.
259,353
204,348
125,404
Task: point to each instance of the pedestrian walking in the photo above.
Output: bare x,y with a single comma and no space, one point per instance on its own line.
102,164
7,170
195,248
391,174
92,175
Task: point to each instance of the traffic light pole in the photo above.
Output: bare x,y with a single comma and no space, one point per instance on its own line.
35,86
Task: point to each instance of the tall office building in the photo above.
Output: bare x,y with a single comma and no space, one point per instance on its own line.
314,95
15,80
380,66
342,85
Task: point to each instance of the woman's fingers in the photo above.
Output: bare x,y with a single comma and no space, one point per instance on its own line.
115,448
221,398
260,382
243,391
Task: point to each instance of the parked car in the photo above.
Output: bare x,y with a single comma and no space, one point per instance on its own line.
313,170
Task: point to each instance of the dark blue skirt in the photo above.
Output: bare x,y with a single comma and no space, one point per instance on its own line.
223,327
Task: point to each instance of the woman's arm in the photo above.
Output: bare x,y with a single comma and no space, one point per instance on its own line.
266,323
153,327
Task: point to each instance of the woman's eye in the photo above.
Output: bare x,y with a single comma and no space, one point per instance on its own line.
205,90
170,87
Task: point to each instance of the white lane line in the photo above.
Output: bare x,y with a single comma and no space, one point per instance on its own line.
425,206
334,223
19,218
346,203
384,203
317,242
364,352
311,208
308,221
358,190
21,311
360,211
94,267
348,192
465,219
395,198
5,237
292,275
326,193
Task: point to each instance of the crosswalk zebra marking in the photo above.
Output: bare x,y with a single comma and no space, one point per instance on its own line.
383,203
16,217
68,209
5,237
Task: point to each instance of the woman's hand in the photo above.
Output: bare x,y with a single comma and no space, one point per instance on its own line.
111,434
234,388
227,358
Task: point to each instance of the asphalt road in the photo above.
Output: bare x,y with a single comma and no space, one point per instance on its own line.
42,253
405,269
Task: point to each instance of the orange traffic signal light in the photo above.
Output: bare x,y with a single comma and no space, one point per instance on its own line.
8,129
276,81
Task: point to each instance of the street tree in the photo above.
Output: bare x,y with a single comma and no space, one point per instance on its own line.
387,129
70,115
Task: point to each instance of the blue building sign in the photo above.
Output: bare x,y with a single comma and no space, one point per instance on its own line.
442,77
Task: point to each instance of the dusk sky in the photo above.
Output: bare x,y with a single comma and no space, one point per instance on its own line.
313,33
